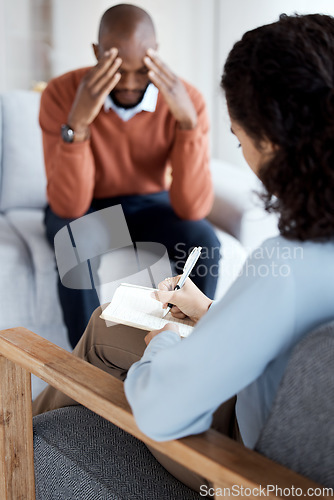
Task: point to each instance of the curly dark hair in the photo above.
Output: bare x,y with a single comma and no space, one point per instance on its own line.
279,85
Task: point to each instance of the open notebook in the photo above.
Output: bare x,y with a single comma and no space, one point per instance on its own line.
133,305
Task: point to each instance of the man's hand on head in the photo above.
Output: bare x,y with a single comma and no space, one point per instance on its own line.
97,83
173,90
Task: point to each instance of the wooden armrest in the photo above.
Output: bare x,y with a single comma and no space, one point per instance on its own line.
221,460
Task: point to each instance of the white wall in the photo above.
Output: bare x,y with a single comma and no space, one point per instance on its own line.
15,50
195,37
24,42
235,18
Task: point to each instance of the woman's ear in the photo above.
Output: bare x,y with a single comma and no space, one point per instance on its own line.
269,147
96,50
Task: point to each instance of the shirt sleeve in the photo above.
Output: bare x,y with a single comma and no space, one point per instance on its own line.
70,167
178,384
191,190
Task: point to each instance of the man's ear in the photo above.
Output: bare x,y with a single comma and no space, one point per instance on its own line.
96,50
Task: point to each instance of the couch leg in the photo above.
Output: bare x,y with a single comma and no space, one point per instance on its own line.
16,434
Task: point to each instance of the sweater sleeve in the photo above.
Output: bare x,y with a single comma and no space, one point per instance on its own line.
177,385
70,168
191,191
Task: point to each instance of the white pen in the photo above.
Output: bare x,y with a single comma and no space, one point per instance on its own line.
188,267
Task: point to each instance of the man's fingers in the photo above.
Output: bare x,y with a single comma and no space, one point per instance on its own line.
167,80
159,82
172,89
155,60
107,78
102,66
110,84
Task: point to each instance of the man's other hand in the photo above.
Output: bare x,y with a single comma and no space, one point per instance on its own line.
97,83
172,89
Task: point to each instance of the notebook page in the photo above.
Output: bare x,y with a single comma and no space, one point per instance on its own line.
133,305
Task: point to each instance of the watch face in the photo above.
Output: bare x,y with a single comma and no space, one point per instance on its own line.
67,133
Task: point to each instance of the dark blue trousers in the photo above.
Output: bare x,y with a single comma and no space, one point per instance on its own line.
149,218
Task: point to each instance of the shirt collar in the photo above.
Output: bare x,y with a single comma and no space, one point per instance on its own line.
148,103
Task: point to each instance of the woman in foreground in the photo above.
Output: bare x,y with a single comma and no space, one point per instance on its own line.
279,86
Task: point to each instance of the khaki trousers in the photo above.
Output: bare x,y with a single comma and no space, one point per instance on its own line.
114,349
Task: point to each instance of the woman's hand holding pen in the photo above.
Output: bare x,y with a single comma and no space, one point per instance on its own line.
189,301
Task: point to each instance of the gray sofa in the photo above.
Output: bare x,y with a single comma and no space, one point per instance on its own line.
28,275
28,294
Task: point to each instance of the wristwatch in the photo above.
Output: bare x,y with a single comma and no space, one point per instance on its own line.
67,133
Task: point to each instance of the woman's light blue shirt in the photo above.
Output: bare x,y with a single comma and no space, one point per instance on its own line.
241,346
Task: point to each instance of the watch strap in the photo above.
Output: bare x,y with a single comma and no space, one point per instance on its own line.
69,135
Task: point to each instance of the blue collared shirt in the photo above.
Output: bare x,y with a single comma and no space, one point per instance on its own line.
148,103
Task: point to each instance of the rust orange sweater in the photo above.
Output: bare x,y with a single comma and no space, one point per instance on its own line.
124,158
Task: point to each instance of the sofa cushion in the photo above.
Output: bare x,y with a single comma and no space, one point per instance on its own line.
30,266
16,278
22,179
28,277
28,273
237,207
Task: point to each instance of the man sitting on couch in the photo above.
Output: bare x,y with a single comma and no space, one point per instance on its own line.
109,134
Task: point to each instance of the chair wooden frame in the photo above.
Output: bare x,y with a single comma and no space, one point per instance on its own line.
221,460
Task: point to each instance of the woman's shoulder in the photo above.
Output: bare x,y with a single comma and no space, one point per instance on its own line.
279,248
296,264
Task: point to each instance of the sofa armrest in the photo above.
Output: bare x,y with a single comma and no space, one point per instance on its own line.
237,208
222,461
226,216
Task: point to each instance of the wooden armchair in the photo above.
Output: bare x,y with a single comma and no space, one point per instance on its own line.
222,461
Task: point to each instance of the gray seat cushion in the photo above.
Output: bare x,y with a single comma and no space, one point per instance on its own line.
300,432
79,455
